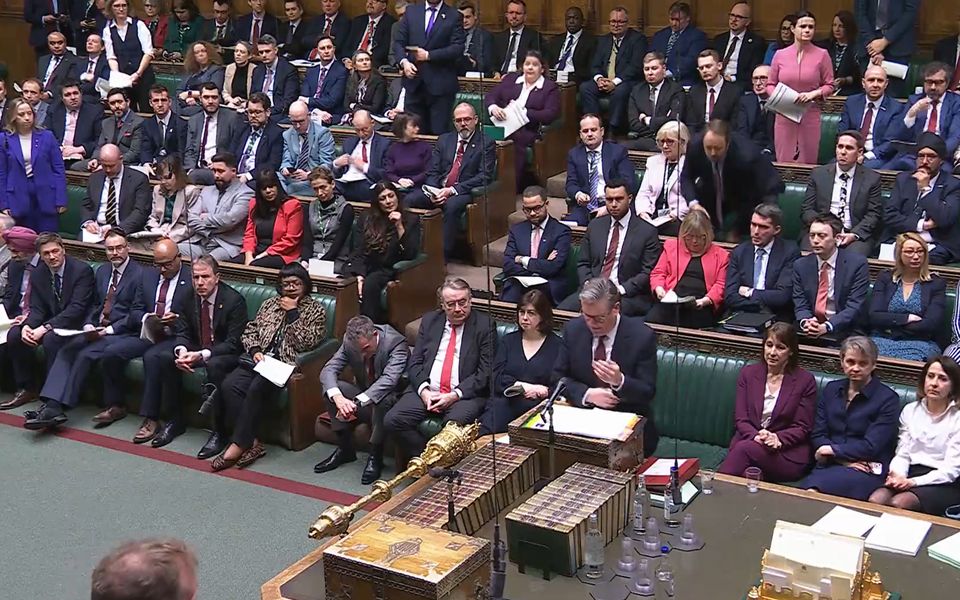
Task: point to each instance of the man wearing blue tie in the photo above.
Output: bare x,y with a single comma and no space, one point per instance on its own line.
430,39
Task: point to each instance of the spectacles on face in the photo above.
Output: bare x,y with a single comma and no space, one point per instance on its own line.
598,319
927,156
534,209
452,304
738,17
291,284
913,252
115,249
759,78
667,142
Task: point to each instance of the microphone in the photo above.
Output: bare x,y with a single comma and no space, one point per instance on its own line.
207,392
498,565
557,390
449,474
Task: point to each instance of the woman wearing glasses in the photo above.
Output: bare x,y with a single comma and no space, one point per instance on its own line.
129,48
660,200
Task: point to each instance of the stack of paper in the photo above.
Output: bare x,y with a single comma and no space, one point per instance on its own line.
947,550
844,521
589,422
901,535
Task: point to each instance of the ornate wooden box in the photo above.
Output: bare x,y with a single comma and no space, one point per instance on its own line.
389,559
619,455
549,529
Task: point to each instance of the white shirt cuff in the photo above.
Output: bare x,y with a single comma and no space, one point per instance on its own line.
596,77
909,121
920,225
622,289
422,387
363,399
109,330
178,350
334,391
617,81
205,354
870,155
524,260
458,392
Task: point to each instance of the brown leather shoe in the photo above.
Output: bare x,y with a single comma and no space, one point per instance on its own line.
19,399
148,431
110,415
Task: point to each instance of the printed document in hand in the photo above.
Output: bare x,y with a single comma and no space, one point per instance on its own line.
352,174
321,268
120,80
529,280
901,535
588,422
672,298
5,324
275,371
151,329
68,332
947,550
893,69
92,238
515,118
783,101
846,522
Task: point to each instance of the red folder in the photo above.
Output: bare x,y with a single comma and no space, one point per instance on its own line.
688,467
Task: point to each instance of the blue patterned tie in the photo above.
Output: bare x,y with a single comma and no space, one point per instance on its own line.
594,180
758,267
671,43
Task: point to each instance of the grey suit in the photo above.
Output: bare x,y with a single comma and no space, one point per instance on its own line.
378,392
864,203
128,139
217,220
229,127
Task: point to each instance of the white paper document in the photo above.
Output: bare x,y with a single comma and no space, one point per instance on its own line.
321,268
5,324
300,62
672,298
658,221
783,101
430,191
529,280
275,371
588,422
145,235
947,550
846,522
120,80
515,117
68,332
352,175
92,238
893,69
151,329
901,535
382,120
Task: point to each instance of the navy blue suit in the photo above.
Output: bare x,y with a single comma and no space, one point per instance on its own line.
481,50
286,86
339,31
756,124
777,297
332,92
682,60
851,283
894,325
628,67
615,164
33,13
949,130
11,294
359,191
887,123
379,45
152,148
69,371
555,237
87,130
902,211
269,25
634,350
898,30
726,108
101,70
431,92
269,150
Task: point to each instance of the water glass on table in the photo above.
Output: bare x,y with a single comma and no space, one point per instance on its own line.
706,481
753,475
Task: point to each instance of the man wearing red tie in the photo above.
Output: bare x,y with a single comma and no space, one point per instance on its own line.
449,369
370,32
360,165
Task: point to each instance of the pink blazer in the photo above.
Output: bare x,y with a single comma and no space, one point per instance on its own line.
668,271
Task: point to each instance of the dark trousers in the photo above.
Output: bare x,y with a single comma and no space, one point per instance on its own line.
270,261
513,291
435,112
370,413
23,357
69,371
371,303
403,420
244,394
577,213
941,255
453,210
113,364
356,191
161,381
501,411
590,96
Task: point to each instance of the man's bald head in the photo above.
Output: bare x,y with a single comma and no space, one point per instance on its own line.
874,82
363,124
111,159
166,257
299,116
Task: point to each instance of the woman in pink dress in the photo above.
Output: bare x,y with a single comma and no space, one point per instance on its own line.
808,70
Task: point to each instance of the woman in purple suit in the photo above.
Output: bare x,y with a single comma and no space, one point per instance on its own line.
776,407
33,189
538,95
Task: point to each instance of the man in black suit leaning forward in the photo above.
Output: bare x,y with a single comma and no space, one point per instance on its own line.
377,355
620,372
449,369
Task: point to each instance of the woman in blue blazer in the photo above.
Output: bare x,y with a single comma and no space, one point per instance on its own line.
33,188
855,432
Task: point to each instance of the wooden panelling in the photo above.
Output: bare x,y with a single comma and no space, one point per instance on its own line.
17,53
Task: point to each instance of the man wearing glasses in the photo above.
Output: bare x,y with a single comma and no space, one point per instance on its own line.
448,370
742,50
932,111
609,360
536,247
260,144
306,146
756,122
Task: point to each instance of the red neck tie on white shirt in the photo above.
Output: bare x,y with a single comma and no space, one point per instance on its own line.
932,123
446,371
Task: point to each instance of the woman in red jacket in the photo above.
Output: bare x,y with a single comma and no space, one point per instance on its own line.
692,266
274,225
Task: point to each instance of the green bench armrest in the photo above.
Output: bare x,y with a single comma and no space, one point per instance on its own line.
323,352
405,265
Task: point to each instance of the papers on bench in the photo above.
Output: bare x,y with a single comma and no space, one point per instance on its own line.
152,328
900,535
120,80
92,238
588,422
529,280
306,64
783,101
515,117
275,371
352,174
947,550
844,521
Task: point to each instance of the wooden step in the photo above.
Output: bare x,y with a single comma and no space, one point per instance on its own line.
557,185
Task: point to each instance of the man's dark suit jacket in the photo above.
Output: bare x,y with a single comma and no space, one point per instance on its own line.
151,146
864,201
634,350
949,109
76,295
339,31
437,76
478,344
229,321
902,210
150,285
895,325
128,297
269,150
530,39
900,30
55,83
477,169
270,25
726,107
614,161
583,54
389,366
556,236
101,70
376,149
133,203
777,298
752,50
11,294
748,178
629,65
33,13
945,51
481,49
87,131
670,101
851,283
230,33
756,124
682,61
303,39
638,255
887,122
229,126
286,85
380,44
334,88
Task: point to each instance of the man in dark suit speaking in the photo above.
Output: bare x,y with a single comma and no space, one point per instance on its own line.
620,371
449,369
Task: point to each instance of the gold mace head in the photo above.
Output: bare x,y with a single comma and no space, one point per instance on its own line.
332,521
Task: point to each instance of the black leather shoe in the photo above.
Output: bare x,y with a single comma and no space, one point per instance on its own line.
48,417
168,433
339,457
214,446
371,472
32,414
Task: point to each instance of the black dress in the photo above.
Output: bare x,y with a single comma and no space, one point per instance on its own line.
511,365
844,61
691,283
238,87
264,227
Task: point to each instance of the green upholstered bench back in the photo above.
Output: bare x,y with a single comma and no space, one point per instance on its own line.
828,137
791,201
477,101
256,294
70,220
169,81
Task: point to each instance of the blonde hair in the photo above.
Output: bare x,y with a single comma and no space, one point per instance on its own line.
675,130
899,267
697,222
9,125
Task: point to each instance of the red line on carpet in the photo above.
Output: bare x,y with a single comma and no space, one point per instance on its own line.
175,458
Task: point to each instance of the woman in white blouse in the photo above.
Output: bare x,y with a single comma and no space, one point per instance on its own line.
923,473
660,200
129,47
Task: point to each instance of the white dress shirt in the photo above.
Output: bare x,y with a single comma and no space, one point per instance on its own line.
123,267
831,276
210,148
835,206
512,59
102,213
567,66
716,98
730,69
70,126
525,89
358,154
923,192
911,121
437,369
611,338
929,440
205,353
167,300
868,143
624,224
143,35
542,228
